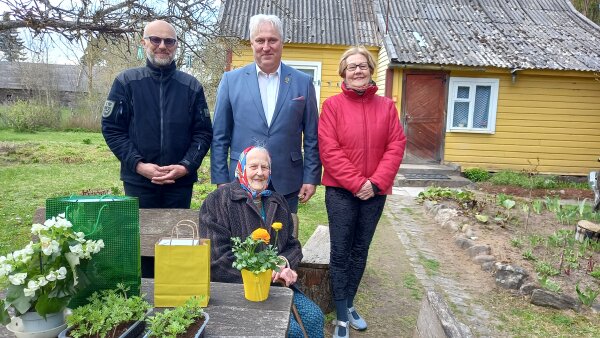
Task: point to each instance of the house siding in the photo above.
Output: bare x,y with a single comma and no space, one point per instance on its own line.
547,122
328,55
382,65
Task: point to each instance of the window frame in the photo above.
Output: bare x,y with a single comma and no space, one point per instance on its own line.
472,83
313,65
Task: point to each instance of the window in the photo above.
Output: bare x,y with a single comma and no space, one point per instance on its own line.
472,104
311,68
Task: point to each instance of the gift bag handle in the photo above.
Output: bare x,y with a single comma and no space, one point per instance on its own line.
187,223
95,227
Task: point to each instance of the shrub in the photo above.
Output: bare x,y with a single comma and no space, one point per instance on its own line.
26,116
476,174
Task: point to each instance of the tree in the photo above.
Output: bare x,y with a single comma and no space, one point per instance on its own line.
589,8
11,44
114,21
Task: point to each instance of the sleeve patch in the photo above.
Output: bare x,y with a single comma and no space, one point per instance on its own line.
108,108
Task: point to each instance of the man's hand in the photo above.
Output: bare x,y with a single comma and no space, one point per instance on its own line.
366,191
170,173
161,175
306,192
288,275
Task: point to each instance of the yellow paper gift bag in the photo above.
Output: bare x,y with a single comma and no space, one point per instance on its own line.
182,268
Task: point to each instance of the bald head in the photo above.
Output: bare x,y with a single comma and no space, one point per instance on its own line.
160,26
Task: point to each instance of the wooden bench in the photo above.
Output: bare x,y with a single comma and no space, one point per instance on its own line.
313,272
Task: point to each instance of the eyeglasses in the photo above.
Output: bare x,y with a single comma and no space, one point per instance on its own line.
352,67
155,40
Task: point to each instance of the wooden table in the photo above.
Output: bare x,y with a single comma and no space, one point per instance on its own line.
231,315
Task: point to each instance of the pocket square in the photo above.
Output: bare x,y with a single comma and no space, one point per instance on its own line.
299,98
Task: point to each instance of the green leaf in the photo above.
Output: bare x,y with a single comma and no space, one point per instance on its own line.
4,316
508,203
16,298
482,218
46,305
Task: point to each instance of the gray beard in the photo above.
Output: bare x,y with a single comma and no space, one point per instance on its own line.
158,62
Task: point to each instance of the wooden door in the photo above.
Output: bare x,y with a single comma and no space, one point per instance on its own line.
423,116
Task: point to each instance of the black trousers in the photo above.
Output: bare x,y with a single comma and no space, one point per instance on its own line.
159,196
352,224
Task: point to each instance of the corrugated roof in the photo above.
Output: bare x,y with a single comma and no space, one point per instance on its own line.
526,34
335,22
37,76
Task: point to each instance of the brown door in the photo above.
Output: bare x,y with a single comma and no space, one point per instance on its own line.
423,116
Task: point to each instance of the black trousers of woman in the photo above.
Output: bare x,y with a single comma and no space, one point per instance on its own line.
352,223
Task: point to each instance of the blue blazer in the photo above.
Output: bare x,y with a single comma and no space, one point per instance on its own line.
239,121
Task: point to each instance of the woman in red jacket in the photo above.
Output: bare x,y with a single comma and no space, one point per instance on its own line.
361,144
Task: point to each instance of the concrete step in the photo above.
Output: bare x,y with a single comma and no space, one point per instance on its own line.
426,180
445,169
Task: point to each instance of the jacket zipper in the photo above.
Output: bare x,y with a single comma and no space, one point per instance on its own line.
161,103
365,131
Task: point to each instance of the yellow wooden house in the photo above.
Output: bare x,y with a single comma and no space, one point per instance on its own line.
490,84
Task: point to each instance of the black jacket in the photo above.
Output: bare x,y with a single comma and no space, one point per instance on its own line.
229,212
157,115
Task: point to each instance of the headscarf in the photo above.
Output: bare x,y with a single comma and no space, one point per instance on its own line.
240,174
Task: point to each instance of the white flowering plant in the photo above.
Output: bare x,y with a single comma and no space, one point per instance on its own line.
43,275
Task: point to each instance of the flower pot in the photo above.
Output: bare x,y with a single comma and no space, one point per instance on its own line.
256,286
32,325
133,331
199,333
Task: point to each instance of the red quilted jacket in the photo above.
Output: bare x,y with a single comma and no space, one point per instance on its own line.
360,138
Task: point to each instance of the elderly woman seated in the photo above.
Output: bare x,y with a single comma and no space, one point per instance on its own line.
237,209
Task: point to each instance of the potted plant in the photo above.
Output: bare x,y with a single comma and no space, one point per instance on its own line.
41,278
188,320
109,313
257,266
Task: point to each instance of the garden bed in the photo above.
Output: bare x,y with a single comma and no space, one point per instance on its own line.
536,234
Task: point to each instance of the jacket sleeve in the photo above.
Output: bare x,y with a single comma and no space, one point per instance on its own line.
333,156
312,163
292,250
116,117
201,132
219,234
222,128
386,171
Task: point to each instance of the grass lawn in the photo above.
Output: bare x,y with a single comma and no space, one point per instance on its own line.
40,165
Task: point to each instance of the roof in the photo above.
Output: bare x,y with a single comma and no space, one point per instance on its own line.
26,75
335,22
532,34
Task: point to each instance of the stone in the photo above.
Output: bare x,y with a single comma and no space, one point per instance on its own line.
444,215
463,242
510,277
554,300
479,249
527,288
480,259
487,266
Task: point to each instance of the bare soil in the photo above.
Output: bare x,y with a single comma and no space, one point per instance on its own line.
522,233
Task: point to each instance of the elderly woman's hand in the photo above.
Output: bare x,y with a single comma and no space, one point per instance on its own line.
288,275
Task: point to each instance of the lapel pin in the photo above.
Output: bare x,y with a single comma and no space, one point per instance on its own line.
286,80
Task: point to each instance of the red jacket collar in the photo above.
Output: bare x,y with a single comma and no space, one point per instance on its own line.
351,94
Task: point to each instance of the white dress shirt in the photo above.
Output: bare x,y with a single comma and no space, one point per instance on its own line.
269,89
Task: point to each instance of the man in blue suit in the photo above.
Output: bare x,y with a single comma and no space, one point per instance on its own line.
270,104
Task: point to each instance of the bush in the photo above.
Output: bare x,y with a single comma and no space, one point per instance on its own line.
476,174
26,116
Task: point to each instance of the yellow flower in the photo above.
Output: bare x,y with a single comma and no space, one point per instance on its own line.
277,226
261,234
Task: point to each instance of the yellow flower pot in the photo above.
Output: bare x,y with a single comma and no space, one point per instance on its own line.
256,286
